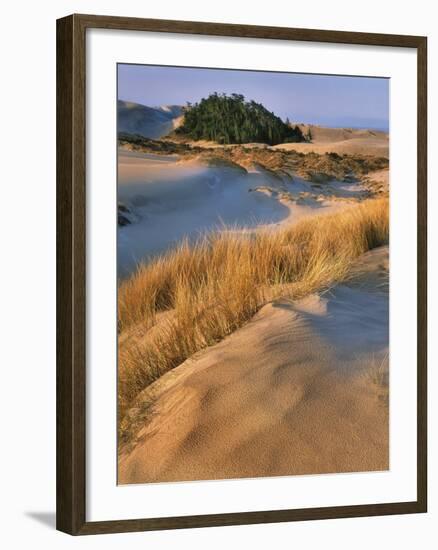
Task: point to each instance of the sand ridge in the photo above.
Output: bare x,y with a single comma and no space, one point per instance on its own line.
341,141
294,391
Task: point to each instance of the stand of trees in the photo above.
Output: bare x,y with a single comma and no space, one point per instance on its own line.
231,119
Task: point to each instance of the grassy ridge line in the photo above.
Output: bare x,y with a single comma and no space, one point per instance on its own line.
214,287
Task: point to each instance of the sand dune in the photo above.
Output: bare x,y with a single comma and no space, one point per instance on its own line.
150,122
342,141
325,134
324,140
173,199
301,389
372,147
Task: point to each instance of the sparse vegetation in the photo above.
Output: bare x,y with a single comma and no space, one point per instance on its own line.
195,295
308,166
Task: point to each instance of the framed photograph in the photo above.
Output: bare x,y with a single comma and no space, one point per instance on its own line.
241,274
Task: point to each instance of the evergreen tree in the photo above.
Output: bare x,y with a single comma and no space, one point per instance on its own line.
231,119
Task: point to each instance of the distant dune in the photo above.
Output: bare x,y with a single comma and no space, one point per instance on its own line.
342,141
158,122
150,122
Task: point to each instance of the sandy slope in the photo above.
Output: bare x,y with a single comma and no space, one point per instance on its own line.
342,141
151,122
298,390
171,200
325,134
174,200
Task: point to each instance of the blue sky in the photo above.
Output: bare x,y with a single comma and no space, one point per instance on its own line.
360,102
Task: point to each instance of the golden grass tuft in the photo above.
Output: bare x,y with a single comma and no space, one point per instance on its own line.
194,296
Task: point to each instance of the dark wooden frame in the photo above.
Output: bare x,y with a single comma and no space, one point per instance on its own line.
71,265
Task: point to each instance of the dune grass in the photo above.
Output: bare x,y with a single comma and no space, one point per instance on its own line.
195,295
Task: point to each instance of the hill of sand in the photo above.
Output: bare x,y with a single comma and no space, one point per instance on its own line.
348,141
170,199
174,200
301,389
150,122
158,122
342,141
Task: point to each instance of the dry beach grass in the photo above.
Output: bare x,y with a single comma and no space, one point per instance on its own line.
301,388
192,297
